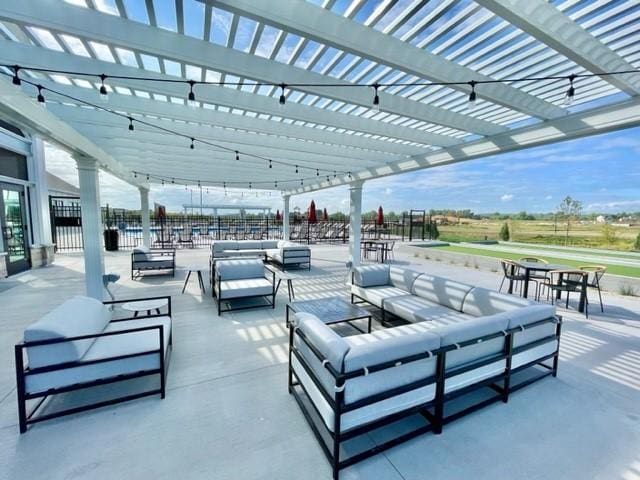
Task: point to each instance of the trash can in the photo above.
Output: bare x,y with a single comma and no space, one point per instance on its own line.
111,240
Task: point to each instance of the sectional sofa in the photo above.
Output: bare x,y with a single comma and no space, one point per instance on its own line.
283,253
458,339
79,345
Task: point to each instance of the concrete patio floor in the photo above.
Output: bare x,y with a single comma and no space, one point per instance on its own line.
227,413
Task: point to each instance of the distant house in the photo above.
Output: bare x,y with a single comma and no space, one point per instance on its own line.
601,219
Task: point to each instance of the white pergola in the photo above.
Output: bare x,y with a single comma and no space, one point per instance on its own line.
325,130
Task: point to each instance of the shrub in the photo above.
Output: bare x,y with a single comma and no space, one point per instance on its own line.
627,290
504,232
636,246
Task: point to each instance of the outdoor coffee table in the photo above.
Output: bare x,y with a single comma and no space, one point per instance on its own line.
145,305
198,271
332,310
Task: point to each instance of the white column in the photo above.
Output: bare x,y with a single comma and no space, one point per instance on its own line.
91,225
39,194
146,220
355,220
286,232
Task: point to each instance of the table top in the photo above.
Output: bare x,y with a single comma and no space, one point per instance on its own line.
544,267
144,305
192,268
330,310
376,240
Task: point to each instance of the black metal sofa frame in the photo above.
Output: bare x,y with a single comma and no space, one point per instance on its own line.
137,258
27,418
215,290
432,411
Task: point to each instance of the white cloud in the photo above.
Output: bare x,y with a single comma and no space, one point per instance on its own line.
548,197
507,197
614,206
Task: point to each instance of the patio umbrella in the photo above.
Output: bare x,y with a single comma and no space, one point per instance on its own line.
278,216
325,216
312,213
380,217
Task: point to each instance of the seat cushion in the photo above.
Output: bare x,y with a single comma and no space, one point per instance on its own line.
247,287
154,263
371,275
249,245
75,317
220,246
403,277
269,244
415,309
482,301
440,290
290,259
111,346
239,269
376,295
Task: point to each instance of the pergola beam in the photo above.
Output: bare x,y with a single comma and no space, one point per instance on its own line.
543,21
583,124
316,23
15,53
120,32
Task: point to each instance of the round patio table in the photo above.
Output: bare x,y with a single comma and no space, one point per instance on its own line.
145,305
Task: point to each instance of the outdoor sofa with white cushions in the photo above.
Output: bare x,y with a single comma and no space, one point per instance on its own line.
78,345
145,259
242,279
283,253
458,339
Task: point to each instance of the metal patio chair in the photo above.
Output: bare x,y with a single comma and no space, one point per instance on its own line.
593,281
570,281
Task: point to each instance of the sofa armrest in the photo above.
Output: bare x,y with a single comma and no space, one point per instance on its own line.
371,275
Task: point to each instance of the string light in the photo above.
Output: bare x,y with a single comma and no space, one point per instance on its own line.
104,96
40,95
376,98
296,168
571,91
472,95
270,165
237,155
192,145
191,102
16,79
131,124
317,172
283,99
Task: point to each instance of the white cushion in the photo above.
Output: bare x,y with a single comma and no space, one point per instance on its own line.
75,317
289,259
249,245
482,301
239,269
377,295
248,287
220,246
269,244
403,277
105,347
441,290
415,309
371,275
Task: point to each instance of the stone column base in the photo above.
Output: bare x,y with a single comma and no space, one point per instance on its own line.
3,265
42,255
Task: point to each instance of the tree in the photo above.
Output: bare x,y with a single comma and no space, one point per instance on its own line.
569,209
608,234
636,246
504,232
433,231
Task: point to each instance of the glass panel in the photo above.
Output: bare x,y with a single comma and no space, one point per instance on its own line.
13,229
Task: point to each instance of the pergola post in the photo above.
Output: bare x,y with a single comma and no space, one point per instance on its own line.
355,221
91,225
146,220
286,231
42,250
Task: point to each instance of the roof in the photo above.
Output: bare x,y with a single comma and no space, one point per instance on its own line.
57,185
325,136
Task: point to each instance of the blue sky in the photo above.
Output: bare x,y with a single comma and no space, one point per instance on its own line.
602,171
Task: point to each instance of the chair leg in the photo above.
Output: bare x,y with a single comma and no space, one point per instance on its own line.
600,295
501,284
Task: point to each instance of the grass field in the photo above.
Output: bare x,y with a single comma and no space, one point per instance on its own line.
542,232
613,269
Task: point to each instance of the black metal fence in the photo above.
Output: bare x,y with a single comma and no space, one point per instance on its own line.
201,230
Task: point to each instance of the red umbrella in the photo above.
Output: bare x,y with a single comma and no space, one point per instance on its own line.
325,216
380,218
312,213
278,216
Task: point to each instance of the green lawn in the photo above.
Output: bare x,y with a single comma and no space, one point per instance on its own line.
611,254
614,269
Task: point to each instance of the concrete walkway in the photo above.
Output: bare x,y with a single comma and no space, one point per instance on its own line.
227,414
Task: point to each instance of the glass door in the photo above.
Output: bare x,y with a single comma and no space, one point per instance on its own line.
13,222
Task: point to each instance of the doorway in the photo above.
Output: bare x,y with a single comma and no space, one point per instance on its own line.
13,223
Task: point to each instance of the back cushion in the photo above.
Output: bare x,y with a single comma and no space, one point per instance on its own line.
469,330
240,269
249,245
440,290
482,301
384,346
371,275
269,244
222,245
403,278
527,315
141,253
75,317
